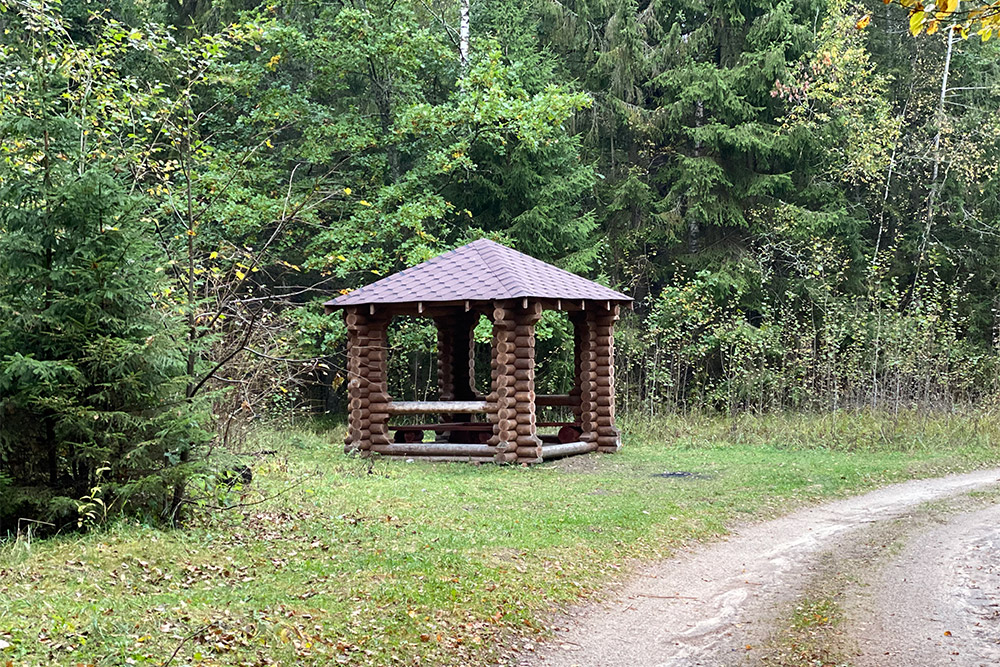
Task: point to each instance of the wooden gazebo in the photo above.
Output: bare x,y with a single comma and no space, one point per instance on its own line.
512,290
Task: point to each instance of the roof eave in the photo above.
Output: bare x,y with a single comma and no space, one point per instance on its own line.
332,304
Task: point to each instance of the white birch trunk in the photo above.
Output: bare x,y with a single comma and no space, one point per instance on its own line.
935,186
463,35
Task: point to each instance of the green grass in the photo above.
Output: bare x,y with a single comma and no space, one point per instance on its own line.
812,638
388,562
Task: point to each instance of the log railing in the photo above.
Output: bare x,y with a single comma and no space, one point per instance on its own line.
554,451
436,407
434,449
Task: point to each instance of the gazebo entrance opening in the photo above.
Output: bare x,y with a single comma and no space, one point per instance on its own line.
502,424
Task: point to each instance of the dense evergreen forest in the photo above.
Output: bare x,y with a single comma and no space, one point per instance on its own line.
801,196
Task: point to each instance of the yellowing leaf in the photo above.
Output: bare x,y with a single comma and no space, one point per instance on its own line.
241,275
863,22
347,191
932,26
213,255
917,22
364,203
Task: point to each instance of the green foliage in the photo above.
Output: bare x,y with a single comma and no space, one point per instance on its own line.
805,211
92,382
705,350
89,370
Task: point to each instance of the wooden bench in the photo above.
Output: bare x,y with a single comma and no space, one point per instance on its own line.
480,432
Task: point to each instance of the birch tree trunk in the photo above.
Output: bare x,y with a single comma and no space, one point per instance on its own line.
935,186
463,35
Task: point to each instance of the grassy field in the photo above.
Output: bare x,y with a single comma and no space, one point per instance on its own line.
388,562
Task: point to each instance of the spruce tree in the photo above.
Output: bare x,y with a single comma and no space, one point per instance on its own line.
92,386
91,380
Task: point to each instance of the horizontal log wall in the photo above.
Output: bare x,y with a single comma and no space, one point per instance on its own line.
435,449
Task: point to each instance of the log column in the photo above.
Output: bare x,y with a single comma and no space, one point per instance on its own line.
445,358
367,388
586,363
456,363
501,402
602,333
354,322
529,445
596,376
512,400
578,320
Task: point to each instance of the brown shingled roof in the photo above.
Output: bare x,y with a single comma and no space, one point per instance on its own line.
479,271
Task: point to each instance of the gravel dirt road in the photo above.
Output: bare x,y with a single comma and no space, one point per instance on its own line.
919,584
937,602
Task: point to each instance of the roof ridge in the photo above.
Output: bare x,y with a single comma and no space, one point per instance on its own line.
486,262
507,254
509,258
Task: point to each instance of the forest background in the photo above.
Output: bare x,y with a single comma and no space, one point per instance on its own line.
801,197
